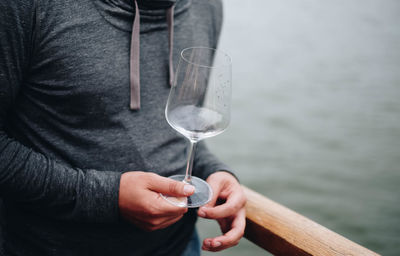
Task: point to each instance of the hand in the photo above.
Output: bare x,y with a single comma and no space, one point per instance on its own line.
140,201
227,207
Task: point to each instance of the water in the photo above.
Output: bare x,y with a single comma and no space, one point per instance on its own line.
196,123
316,113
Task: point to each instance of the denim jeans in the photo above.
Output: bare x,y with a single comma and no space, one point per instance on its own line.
193,247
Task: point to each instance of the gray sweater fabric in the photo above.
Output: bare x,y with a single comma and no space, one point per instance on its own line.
67,132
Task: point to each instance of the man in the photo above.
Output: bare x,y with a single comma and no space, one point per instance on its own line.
84,144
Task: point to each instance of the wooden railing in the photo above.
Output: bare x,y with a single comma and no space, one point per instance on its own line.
282,231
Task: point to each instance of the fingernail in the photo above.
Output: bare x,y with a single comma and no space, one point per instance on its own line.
208,243
217,244
188,189
201,213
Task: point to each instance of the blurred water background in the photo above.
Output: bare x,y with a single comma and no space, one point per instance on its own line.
316,113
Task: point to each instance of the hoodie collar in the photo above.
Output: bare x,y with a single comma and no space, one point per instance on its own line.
120,13
139,16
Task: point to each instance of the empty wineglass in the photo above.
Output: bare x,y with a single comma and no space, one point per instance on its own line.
198,107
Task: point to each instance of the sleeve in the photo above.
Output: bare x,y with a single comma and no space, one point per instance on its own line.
206,163
28,178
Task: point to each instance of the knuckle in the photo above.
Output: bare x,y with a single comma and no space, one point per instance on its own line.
243,200
152,211
173,187
141,176
211,214
176,187
234,208
155,223
151,177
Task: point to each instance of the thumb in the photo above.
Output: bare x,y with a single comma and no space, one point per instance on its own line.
216,188
170,187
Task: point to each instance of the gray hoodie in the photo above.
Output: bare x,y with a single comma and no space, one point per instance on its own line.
67,131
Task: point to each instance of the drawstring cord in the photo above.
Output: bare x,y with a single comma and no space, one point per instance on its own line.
134,61
170,21
135,55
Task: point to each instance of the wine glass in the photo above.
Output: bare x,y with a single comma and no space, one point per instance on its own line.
198,107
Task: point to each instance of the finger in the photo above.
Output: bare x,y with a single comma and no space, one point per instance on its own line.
159,207
234,203
216,190
164,223
158,223
229,239
169,187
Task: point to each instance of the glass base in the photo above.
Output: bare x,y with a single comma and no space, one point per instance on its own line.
202,194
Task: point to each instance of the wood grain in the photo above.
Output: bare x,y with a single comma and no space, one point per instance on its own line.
282,231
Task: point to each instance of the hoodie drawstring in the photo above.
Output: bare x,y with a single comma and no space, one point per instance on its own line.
134,61
135,55
170,21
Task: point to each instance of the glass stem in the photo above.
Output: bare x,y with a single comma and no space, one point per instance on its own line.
189,165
